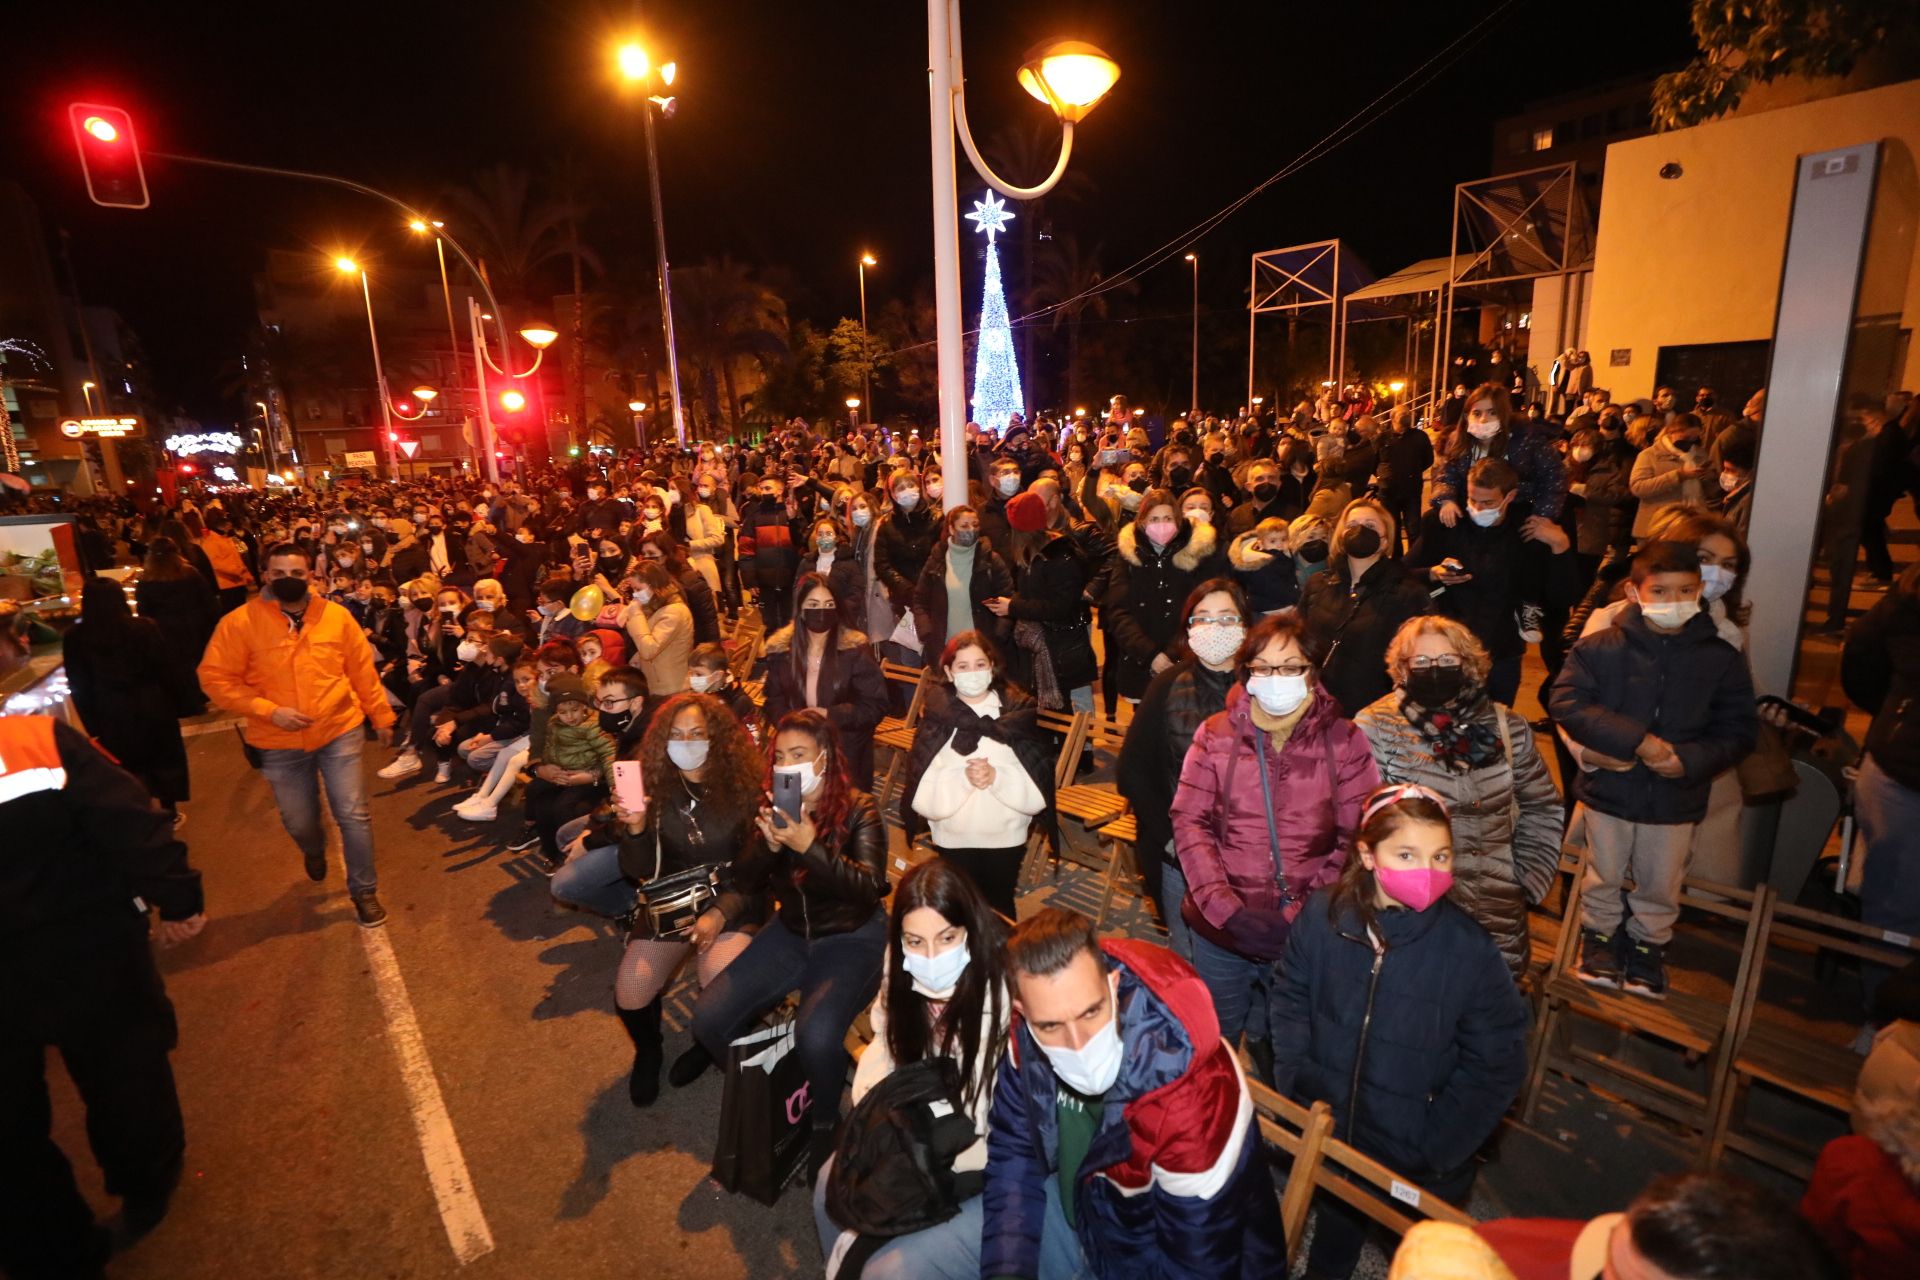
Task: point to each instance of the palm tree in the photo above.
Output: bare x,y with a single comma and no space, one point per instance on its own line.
722,315
517,234
1064,276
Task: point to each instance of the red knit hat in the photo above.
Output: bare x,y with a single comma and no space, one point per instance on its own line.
1027,512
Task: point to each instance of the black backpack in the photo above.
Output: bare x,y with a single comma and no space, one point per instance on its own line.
892,1169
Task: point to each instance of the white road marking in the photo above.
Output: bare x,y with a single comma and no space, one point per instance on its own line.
209,726
453,1189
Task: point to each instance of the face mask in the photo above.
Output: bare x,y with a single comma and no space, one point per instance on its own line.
1483,430
1583,454
1278,695
1672,614
936,490
380,522
1435,686
706,495
1416,888
1130,499
594,495
1216,645
687,754
1199,515
808,773
1093,1067
971,684
908,499
1705,402
467,650
1361,541
1075,456
1008,485
1715,581
611,566
817,621
485,606
1485,517
936,976
288,590
449,609
862,518
1160,532
435,528
549,609
703,682
1181,477
1264,491
825,545
1138,484
1314,552
1729,481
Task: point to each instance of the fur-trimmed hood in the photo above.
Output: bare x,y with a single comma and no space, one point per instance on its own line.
1192,545
782,640
1244,553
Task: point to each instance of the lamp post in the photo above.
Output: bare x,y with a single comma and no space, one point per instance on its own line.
536,335
348,266
1193,405
1070,77
636,408
866,346
637,69
853,413
420,226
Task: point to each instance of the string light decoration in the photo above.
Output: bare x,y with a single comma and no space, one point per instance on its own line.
996,372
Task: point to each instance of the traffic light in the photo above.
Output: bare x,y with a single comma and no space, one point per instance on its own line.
109,155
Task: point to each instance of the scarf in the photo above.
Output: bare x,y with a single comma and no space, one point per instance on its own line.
959,588
1280,728
969,726
1455,733
1029,635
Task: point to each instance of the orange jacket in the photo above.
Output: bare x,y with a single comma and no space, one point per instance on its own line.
254,663
223,553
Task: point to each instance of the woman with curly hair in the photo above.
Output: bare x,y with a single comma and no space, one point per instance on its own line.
828,934
702,775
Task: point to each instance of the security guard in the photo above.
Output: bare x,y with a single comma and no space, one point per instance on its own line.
85,855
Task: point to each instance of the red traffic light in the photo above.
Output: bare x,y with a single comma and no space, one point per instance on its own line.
109,155
186,468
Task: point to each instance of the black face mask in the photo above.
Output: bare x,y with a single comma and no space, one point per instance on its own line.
1138,484
817,620
1314,552
1361,542
1436,686
288,590
611,566
1704,402
1181,477
614,725
1264,491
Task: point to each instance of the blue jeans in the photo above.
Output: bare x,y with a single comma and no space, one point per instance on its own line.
295,777
837,977
1889,816
1240,988
1173,891
951,1251
593,883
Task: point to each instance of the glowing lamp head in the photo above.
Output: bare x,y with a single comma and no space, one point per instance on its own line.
416,225
668,70
1071,76
1191,258
512,401
633,62
425,395
101,128
868,260
853,402
346,265
1396,387
636,406
539,336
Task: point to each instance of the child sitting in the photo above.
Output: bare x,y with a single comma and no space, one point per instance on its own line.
575,765
709,672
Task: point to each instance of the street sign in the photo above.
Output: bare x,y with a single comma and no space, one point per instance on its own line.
361,459
102,428
409,447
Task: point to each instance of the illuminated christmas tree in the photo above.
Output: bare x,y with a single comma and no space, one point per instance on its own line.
996,374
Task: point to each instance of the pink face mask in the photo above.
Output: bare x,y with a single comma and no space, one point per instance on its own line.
1160,532
1414,887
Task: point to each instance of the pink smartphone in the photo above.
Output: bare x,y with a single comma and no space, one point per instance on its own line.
629,788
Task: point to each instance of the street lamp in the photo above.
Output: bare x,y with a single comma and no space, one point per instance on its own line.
421,226
1195,401
866,347
86,388
636,408
853,412
1070,77
637,69
537,335
347,266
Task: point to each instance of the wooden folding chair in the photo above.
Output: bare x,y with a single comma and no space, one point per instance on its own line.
1769,1052
1345,1174
1094,804
1302,1133
1123,864
896,732
1071,728
1698,1025
745,645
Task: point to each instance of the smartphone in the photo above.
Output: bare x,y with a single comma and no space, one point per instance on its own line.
786,794
1796,715
629,787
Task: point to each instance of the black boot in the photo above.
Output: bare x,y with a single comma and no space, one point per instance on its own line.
643,1025
690,1066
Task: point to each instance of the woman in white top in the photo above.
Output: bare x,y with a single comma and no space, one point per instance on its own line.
980,773
706,531
661,627
943,995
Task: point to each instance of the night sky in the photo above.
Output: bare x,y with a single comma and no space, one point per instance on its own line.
801,134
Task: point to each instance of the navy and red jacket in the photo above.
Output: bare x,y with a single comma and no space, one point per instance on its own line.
1175,1182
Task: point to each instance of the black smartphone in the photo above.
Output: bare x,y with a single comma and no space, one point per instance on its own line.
1796,715
787,789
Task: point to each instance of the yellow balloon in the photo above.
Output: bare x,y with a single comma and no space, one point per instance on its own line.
587,603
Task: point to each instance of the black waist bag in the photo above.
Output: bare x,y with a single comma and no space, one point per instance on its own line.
892,1169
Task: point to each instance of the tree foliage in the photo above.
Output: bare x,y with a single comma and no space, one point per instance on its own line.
1750,42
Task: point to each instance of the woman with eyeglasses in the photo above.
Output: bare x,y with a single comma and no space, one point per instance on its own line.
1176,704
1268,800
1438,729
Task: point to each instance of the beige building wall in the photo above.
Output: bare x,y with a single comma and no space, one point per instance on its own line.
1697,259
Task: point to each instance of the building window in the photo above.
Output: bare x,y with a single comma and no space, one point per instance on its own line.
1543,139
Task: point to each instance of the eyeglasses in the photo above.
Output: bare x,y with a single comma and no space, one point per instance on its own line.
1214,620
612,704
1288,669
1446,662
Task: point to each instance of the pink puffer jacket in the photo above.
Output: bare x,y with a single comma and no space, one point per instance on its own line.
1219,812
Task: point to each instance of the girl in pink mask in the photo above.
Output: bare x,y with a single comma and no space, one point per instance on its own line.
1395,1008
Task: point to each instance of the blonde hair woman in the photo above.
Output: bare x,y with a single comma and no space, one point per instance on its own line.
1355,605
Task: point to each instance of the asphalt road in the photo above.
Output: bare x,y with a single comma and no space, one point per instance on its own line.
304,1154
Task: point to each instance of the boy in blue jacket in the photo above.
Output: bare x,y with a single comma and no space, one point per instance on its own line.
1661,705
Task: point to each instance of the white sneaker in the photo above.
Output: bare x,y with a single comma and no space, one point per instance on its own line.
444,773
403,765
477,812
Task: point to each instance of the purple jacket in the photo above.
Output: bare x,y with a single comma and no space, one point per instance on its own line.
1220,823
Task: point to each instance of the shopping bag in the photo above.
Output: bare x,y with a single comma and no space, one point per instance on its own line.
906,633
764,1120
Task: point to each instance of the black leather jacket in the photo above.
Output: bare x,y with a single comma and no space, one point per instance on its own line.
844,879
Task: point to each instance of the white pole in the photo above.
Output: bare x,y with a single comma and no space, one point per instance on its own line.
480,390
666,290
380,382
946,245
1193,405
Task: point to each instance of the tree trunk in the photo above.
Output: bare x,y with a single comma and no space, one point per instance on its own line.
579,352
733,399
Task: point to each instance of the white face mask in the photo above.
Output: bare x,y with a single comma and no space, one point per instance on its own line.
971,684
1216,646
1729,482
1278,695
908,499
1715,581
1008,485
1483,430
467,650
808,773
1130,500
1485,517
936,976
703,681
862,518
1672,614
936,490
687,754
1583,454
1198,515
1093,1067
643,595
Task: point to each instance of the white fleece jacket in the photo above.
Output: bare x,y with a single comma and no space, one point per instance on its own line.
962,816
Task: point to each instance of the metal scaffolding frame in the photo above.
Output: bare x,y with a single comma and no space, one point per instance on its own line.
1301,276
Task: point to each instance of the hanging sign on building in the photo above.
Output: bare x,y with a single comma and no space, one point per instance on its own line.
102,428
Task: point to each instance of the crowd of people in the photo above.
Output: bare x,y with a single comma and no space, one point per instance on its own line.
1317,621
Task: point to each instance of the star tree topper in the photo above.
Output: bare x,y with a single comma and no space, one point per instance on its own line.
990,215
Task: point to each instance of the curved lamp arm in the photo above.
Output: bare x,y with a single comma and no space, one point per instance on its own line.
980,166
538,356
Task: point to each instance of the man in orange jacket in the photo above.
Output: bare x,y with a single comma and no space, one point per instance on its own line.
299,668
